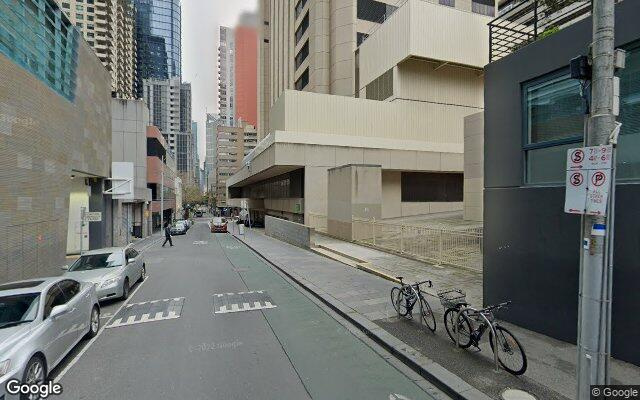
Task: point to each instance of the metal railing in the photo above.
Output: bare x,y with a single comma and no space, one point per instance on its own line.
530,20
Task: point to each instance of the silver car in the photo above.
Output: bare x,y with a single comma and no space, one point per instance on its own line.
40,322
113,270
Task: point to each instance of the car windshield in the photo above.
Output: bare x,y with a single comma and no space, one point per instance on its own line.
97,261
18,309
218,220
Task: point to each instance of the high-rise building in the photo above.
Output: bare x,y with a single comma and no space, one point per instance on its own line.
195,156
246,69
158,36
226,77
109,28
163,99
213,120
233,143
264,68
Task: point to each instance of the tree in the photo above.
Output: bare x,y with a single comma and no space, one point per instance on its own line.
191,195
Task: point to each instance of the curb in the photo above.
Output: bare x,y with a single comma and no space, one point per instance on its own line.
451,384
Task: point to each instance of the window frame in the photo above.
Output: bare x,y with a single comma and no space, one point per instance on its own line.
526,142
47,312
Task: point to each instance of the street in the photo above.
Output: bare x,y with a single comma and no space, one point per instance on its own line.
265,340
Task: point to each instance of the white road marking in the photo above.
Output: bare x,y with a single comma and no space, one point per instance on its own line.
75,359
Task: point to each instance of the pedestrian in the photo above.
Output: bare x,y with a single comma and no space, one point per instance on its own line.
167,234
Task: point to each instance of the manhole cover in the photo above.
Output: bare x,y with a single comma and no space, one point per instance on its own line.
148,311
224,303
516,394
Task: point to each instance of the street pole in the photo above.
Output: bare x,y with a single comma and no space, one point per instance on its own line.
593,298
162,194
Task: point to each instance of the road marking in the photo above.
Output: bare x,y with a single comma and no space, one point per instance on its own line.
200,242
224,303
75,359
142,312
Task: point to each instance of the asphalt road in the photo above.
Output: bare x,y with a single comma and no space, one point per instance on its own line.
213,321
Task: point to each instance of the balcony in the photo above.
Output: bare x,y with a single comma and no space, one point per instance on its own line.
424,30
529,20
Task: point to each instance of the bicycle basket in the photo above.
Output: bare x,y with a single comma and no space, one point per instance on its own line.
451,298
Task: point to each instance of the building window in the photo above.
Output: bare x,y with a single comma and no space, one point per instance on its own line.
381,88
303,81
300,7
484,7
431,187
361,37
265,40
302,28
302,54
374,11
554,122
90,9
450,3
79,7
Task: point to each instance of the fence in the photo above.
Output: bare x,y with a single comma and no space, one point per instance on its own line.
438,245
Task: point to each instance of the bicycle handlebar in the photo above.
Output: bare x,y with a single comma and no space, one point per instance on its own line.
496,306
417,284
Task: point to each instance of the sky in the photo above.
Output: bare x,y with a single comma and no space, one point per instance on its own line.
201,21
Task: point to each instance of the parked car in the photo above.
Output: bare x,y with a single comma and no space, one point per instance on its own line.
198,214
218,224
113,270
179,228
41,320
186,222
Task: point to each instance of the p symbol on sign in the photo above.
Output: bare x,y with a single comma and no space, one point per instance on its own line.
598,178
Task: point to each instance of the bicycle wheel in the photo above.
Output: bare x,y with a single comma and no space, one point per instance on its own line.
398,301
463,324
510,352
426,315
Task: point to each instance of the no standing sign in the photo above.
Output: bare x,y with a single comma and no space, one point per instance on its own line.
588,180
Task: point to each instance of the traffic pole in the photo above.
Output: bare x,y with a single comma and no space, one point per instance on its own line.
593,317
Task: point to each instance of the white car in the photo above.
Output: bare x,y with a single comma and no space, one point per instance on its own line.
41,320
113,270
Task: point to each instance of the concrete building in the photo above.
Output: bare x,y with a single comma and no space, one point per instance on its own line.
158,37
418,75
108,26
195,155
184,144
533,115
132,211
163,99
213,121
232,145
226,77
264,68
246,70
55,142
161,178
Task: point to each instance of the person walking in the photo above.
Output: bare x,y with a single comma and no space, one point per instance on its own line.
167,234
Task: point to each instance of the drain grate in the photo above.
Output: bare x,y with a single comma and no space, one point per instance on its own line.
224,303
516,394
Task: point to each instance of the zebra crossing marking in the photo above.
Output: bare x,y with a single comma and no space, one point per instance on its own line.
224,303
148,311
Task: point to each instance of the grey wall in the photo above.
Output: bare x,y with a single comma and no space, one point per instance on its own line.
531,247
287,231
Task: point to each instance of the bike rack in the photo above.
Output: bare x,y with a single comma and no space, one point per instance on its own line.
466,310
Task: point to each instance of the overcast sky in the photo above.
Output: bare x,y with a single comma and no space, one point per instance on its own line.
201,21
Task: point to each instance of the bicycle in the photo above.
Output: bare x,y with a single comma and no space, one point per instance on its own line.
405,297
472,324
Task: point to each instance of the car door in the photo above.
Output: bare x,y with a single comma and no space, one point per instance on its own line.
130,269
55,336
138,263
79,312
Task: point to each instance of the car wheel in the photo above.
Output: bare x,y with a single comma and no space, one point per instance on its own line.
35,373
125,289
143,274
94,323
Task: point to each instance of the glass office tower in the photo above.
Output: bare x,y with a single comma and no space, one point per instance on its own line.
158,36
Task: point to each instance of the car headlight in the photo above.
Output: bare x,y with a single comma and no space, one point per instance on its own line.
109,282
4,367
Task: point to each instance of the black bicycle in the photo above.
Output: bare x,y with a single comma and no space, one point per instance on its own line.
473,324
405,297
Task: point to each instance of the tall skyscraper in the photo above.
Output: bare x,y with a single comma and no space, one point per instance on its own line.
194,154
213,120
246,69
226,77
163,99
109,28
158,35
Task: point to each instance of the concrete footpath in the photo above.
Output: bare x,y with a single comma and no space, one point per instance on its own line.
363,298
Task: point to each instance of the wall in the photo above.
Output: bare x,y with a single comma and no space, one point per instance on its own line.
531,247
473,166
287,231
246,75
44,139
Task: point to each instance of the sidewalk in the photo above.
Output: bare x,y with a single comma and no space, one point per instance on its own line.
365,297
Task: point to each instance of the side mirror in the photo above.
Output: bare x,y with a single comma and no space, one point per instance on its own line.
64,268
131,260
58,311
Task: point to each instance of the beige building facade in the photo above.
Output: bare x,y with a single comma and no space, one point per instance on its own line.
232,144
390,95
108,26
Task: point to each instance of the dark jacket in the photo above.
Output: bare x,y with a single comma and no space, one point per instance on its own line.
167,231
